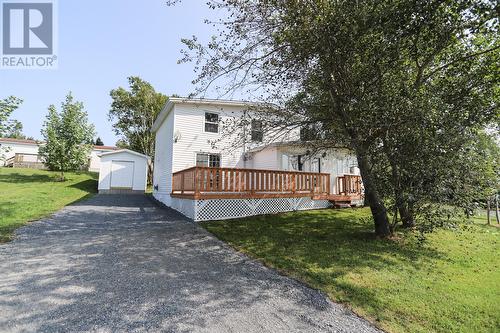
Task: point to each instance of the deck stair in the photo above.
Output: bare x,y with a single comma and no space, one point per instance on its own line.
339,200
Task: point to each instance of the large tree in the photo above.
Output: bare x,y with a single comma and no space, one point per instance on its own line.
68,137
133,113
373,75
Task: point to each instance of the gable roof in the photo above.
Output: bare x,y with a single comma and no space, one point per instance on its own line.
21,141
105,148
194,101
124,151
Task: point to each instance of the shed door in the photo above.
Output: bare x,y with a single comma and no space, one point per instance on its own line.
122,174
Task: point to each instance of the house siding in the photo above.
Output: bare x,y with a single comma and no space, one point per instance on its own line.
189,126
267,158
162,174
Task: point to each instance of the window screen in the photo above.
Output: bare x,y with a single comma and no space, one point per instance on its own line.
211,122
257,133
208,160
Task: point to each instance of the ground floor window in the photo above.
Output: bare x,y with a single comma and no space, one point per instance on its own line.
208,160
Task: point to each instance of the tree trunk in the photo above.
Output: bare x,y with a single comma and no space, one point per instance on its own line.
407,216
496,208
150,173
377,207
404,210
488,208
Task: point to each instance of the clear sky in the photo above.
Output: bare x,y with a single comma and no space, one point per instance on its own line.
101,43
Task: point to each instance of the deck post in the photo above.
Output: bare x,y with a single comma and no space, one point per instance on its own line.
182,183
328,185
196,187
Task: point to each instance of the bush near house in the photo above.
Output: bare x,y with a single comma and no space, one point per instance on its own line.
450,283
29,194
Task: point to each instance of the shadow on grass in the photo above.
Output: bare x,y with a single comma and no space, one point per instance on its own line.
9,211
6,231
20,178
88,185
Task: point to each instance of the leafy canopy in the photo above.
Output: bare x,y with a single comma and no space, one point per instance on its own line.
407,85
68,137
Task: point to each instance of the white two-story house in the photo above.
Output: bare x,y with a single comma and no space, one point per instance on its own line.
209,167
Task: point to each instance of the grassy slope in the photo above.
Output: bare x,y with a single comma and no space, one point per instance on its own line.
28,194
450,284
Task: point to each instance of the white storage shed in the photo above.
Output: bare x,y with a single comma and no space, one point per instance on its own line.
123,171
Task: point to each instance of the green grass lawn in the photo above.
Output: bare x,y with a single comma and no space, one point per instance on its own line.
451,283
28,194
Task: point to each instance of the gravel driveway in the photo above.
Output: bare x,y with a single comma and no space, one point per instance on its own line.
120,263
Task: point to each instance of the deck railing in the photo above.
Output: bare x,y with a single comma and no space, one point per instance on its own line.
207,182
349,185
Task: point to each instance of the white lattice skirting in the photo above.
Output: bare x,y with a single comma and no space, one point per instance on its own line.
221,209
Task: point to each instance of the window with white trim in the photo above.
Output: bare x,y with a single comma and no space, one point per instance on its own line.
211,122
208,160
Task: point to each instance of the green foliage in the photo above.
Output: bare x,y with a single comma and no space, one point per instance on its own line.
122,144
407,85
7,106
16,130
8,126
98,142
133,113
28,194
449,283
68,137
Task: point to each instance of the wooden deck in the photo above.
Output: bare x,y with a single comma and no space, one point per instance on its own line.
233,183
24,160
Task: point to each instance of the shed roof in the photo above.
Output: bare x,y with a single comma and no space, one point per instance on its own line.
127,151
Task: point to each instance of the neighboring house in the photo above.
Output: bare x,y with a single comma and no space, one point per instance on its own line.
19,151
24,153
208,173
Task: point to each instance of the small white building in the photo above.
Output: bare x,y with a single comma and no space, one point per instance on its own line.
123,171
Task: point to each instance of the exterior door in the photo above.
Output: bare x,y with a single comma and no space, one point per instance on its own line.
122,174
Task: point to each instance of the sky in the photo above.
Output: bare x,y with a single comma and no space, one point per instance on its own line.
100,44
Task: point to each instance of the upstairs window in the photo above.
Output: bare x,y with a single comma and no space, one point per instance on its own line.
208,160
211,122
257,132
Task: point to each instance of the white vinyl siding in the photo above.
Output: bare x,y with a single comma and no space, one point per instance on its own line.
162,174
267,158
189,124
